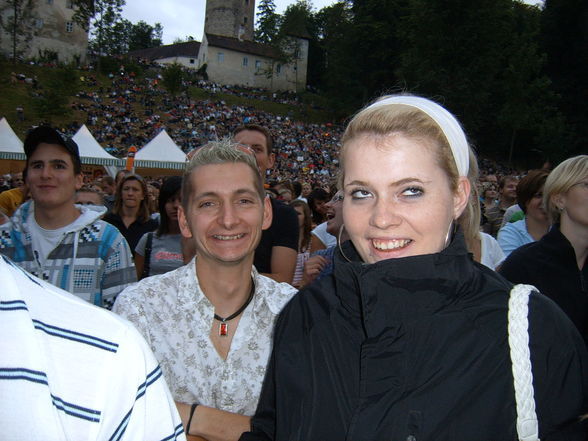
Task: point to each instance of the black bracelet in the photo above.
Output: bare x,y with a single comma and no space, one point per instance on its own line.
192,409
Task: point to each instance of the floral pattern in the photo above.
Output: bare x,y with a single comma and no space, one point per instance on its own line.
175,316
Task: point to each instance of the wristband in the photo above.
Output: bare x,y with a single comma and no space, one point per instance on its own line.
192,410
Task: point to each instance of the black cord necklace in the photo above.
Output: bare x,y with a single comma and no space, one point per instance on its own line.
223,327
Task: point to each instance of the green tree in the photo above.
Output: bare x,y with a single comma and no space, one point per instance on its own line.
173,76
268,22
564,38
17,20
58,86
144,36
103,18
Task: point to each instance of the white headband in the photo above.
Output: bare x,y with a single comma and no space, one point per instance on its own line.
445,120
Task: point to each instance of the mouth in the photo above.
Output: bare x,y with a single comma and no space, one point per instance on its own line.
228,237
330,215
392,244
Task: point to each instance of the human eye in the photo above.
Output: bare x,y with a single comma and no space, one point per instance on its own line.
206,204
413,192
359,193
245,201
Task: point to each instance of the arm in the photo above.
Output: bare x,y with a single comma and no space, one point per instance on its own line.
213,424
119,271
139,265
285,244
316,244
312,268
283,264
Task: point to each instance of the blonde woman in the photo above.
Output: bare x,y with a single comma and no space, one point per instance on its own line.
556,264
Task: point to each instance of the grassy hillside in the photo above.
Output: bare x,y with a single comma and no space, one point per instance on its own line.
22,94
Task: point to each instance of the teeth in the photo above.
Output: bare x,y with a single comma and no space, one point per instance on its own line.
390,244
232,237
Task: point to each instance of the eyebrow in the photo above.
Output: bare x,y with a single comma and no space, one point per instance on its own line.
51,161
392,184
238,192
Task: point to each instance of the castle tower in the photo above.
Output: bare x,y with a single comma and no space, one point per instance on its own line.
230,18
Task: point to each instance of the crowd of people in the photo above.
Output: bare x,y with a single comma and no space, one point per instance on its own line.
307,281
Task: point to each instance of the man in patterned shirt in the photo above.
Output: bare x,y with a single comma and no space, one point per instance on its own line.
210,322
60,242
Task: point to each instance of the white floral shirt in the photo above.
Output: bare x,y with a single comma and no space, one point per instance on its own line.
174,316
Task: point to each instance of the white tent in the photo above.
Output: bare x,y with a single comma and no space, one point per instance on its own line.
91,152
161,152
11,147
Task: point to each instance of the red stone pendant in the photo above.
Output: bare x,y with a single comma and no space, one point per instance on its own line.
223,329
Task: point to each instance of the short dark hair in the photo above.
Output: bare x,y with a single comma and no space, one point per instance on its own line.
49,135
257,128
529,186
502,182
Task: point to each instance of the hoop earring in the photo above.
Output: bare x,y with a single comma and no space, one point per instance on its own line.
450,234
339,243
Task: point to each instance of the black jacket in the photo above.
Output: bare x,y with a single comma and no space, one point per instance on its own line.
415,349
550,265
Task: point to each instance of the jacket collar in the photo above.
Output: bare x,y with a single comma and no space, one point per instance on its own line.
410,288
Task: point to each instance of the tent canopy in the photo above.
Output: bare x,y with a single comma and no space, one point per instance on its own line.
91,152
11,147
161,152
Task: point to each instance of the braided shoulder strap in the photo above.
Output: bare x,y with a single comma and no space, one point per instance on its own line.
518,340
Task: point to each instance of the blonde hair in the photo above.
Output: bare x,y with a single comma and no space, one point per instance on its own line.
224,151
560,180
401,119
470,217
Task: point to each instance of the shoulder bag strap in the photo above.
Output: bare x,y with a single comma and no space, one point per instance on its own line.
520,355
147,264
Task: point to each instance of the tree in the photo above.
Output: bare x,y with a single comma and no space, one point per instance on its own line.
58,86
17,20
144,36
103,18
564,38
268,22
173,76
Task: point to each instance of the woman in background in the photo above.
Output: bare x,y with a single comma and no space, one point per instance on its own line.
161,251
556,264
304,224
131,212
536,223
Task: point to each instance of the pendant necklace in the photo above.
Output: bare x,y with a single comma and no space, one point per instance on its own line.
223,326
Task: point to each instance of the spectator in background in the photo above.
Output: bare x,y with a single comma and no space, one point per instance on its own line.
161,251
58,241
484,248
11,199
71,371
4,184
108,187
535,223
304,222
556,264
507,190
276,253
317,200
88,195
131,211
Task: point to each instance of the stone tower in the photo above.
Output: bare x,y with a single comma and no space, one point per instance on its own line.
230,18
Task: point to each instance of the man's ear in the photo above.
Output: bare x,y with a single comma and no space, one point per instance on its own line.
79,181
271,161
267,213
183,222
461,196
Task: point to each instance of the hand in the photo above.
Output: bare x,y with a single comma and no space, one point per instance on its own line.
312,268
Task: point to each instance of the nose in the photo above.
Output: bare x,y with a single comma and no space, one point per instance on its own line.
228,216
384,215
